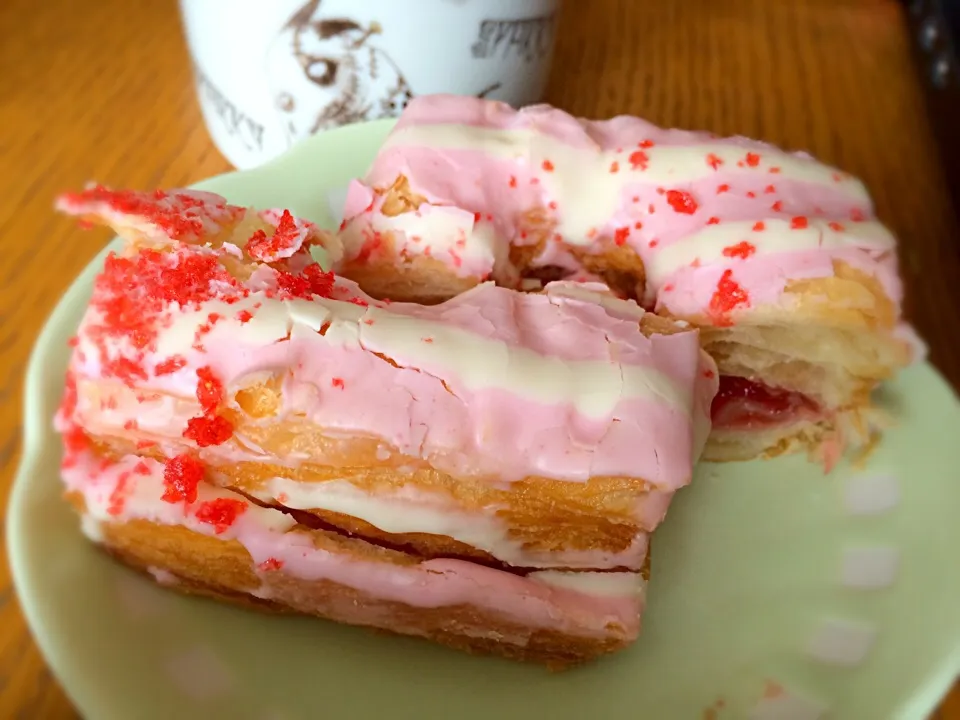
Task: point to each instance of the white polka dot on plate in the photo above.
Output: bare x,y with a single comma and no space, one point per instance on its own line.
871,494
841,642
868,568
199,674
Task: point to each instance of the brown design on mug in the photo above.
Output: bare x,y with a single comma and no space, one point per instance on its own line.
328,71
234,121
526,38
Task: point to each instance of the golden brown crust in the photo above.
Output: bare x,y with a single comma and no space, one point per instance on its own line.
619,266
850,299
538,513
422,280
425,280
223,570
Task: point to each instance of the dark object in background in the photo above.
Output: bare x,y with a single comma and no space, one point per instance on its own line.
935,33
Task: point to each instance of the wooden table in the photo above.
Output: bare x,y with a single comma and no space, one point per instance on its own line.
103,90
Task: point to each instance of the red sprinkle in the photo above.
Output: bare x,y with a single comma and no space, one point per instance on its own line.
181,478
775,170
856,215
645,144
118,496
209,390
713,221
714,161
759,226
130,425
270,564
312,281
777,206
752,159
620,235
370,246
513,181
836,227
177,214
751,194
682,202
548,166
798,223
244,316
337,382
614,167
638,225
653,243
727,297
708,374
638,160
740,250
769,189
221,513
75,441
722,189
131,293
141,468
668,287
285,241
170,365
126,369
321,283
206,431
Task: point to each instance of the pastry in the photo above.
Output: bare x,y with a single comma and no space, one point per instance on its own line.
485,472
777,258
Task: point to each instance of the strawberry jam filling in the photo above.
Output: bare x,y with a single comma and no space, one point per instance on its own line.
742,404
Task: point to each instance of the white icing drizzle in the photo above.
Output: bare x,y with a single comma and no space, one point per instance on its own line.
778,237
580,180
593,387
604,584
411,511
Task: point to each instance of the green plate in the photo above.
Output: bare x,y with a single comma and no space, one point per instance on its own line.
777,592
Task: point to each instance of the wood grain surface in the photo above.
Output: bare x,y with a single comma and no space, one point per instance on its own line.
103,90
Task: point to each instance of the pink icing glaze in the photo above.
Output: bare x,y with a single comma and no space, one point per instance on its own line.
525,384
595,178
428,584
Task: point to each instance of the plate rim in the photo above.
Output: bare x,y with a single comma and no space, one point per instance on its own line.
922,702
31,444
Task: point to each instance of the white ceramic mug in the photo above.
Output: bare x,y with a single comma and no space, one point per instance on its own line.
271,73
